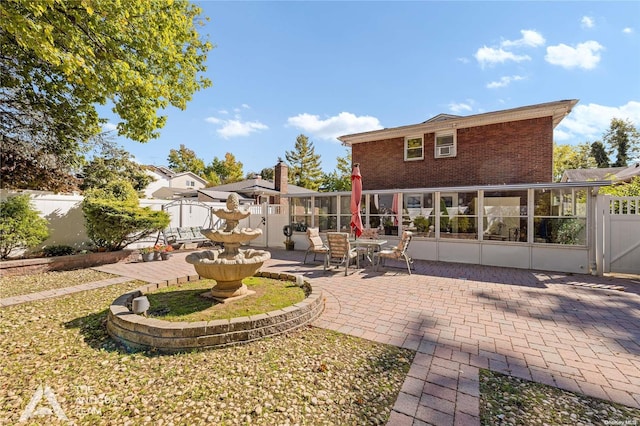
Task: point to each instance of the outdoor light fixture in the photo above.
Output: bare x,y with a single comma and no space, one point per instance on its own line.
299,280
140,305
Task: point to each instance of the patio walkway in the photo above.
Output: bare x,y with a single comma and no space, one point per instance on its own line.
573,332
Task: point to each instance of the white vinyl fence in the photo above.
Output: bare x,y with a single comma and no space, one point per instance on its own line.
67,225
621,234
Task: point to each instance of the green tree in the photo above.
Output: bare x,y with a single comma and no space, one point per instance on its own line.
114,164
267,173
304,164
20,225
624,189
228,170
62,58
185,160
339,179
623,139
114,217
567,157
599,154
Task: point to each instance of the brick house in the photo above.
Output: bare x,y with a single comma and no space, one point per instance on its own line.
503,147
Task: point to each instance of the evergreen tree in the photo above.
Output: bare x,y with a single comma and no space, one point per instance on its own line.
599,154
304,164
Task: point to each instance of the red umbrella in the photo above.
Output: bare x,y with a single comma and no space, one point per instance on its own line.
356,197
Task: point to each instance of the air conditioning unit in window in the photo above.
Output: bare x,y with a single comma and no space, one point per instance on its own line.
446,151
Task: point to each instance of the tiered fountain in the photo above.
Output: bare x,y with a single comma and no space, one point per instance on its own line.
229,266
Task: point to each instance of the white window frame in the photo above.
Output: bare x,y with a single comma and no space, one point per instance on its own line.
454,145
406,147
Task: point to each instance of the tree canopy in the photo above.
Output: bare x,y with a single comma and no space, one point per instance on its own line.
623,140
304,164
185,160
571,157
228,170
339,179
113,164
61,58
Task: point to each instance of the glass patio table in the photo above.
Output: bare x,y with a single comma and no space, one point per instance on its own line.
367,247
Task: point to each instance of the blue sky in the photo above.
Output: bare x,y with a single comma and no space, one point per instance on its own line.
326,69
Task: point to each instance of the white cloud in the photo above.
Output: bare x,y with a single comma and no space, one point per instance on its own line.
587,22
587,123
504,81
530,38
235,128
585,55
459,107
627,30
245,106
489,56
223,111
109,127
330,128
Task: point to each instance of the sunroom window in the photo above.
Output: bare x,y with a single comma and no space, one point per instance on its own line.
445,145
413,148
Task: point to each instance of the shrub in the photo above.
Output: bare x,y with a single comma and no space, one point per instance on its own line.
114,218
20,225
58,250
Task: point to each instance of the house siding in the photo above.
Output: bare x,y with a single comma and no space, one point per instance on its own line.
504,153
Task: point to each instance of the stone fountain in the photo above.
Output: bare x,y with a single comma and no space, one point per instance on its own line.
229,266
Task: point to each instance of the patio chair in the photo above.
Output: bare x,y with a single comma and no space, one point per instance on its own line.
316,245
398,253
340,251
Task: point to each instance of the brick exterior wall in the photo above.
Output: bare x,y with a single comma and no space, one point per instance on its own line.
504,153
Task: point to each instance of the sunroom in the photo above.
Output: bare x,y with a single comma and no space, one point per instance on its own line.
546,226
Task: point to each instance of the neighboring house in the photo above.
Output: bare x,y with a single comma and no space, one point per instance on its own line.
616,174
503,147
261,190
169,184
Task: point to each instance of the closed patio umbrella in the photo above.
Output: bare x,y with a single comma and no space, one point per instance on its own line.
356,197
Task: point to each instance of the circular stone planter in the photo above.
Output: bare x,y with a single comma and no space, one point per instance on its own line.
139,332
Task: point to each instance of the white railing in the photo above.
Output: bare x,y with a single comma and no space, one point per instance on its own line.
624,205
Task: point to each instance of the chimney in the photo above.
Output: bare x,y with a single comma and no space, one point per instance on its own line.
281,182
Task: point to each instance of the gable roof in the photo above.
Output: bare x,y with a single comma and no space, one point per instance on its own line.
605,173
255,185
557,110
166,171
585,175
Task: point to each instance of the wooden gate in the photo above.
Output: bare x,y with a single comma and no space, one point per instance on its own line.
621,234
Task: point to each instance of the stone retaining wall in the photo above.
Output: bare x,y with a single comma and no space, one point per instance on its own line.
139,332
10,268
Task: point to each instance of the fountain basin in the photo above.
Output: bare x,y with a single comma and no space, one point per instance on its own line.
228,271
235,236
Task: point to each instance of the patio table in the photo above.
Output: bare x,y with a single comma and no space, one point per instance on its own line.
370,245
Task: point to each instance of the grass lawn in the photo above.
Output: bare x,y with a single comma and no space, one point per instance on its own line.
185,303
18,286
311,376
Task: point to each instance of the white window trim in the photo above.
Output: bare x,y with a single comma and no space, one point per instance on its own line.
406,139
436,152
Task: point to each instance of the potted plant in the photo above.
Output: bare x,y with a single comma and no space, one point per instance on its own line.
148,254
164,251
389,227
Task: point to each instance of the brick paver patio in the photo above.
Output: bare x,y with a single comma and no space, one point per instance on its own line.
573,332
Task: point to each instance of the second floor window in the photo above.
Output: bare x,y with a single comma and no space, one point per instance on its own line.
413,148
445,144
